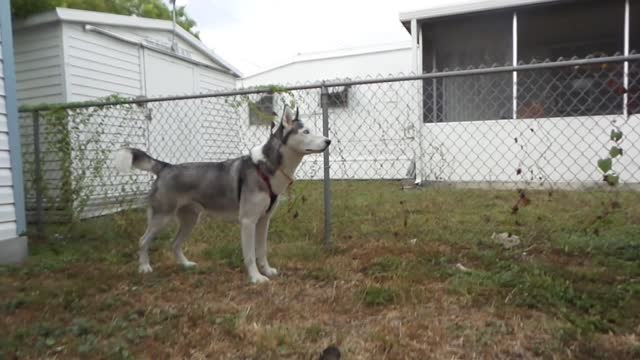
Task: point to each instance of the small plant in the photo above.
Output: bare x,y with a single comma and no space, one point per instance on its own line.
378,296
385,266
606,164
230,254
314,332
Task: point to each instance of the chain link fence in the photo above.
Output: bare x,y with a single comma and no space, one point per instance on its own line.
534,125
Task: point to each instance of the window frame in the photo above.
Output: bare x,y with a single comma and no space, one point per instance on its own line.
436,84
261,109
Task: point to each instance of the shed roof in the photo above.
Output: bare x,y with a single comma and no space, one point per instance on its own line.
100,18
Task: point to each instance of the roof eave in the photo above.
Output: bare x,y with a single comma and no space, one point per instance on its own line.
97,18
465,9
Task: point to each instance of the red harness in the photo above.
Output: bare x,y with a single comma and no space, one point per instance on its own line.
272,195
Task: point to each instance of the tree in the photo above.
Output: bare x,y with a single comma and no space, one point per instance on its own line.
155,9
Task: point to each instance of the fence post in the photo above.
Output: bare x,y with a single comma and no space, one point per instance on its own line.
327,175
38,180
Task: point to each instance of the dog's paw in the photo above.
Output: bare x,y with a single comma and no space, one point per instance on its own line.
269,271
189,264
259,279
144,269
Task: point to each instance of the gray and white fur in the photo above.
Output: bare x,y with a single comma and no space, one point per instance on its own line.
233,189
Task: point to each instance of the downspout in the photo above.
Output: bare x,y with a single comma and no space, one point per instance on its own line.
417,67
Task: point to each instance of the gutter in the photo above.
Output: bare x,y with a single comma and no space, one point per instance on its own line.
95,29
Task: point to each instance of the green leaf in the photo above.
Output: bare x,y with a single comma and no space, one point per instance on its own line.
604,165
616,135
615,152
612,180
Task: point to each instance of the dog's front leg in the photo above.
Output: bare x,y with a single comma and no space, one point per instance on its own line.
262,230
248,233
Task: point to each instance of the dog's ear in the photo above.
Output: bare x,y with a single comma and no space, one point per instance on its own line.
288,117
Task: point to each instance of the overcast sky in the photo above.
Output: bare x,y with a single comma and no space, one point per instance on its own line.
256,34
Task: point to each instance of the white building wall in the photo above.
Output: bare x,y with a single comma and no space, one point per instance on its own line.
548,150
210,80
39,64
98,66
8,226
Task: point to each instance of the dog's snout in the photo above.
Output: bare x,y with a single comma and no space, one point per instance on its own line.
328,142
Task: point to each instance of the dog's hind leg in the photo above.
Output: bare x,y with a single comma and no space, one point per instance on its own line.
262,230
188,217
155,224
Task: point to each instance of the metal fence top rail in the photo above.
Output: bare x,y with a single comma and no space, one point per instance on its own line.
330,84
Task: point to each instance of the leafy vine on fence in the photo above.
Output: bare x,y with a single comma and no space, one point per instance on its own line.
74,154
605,165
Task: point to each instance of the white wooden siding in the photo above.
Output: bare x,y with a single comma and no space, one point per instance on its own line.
219,128
210,80
98,66
38,58
7,207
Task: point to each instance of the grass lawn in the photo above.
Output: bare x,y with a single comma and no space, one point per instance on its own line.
570,289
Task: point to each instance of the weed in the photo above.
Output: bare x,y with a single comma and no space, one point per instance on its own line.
314,333
230,254
378,296
387,265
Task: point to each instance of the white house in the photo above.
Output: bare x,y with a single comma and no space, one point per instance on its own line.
383,154
13,247
468,124
68,55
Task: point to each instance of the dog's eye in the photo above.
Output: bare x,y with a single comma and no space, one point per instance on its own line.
306,132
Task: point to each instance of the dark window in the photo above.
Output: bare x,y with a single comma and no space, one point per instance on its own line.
634,26
261,112
461,43
634,66
338,98
577,29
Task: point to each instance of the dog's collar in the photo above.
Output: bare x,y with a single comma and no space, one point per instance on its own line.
287,176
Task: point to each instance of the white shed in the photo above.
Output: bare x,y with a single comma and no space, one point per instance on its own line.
13,247
68,55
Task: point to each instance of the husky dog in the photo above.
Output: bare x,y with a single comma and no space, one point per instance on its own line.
245,188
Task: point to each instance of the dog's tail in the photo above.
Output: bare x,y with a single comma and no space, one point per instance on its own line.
127,158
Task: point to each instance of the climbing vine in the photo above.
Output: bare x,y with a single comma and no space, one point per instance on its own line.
75,147
605,165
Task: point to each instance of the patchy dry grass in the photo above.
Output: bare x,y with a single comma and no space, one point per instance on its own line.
571,289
